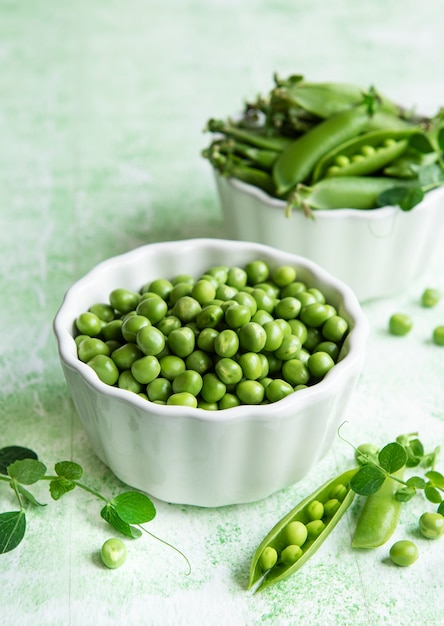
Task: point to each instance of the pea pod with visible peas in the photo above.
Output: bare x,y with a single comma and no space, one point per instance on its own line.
364,155
298,535
296,162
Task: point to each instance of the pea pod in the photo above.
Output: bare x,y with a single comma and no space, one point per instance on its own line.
250,136
380,515
276,541
296,162
365,154
341,192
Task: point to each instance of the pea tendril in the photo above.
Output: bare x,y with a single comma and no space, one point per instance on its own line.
20,468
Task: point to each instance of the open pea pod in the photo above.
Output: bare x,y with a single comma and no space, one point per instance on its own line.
277,540
365,154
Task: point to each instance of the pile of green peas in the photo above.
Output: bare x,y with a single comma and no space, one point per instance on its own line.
235,335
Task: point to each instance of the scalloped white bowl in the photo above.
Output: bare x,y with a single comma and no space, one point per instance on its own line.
377,253
193,456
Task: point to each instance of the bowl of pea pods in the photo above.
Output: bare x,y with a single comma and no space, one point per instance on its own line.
210,372
336,173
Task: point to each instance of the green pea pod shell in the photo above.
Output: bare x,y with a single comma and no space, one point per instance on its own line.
345,192
276,537
296,162
379,517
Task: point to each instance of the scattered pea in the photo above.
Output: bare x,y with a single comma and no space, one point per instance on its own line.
430,297
438,336
431,525
404,553
400,324
113,553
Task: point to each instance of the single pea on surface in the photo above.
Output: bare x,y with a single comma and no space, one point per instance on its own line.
438,335
404,553
430,297
400,324
431,525
113,553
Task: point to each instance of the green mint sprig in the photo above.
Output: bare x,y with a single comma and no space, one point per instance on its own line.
20,468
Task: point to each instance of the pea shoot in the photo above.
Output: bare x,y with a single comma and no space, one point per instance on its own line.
126,512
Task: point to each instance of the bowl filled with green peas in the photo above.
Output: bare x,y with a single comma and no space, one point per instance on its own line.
338,174
210,372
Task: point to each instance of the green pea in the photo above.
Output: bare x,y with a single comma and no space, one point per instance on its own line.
274,335
338,492
315,510
207,406
287,308
89,324
210,316
295,533
237,315
274,364
105,312
331,506
124,300
335,328
226,344
257,272
150,340
180,290
206,339
127,381
145,369
250,392
306,298
269,288
90,347
400,324
289,348
186,309
246,299
132,324
199,361
278,389
168,323
313,338
228,371
330,347
182,399
262,317
203,291
125,356
404,553
189,381
293,289
219,272
315,528
228,401
264,301
113,553
252,337
251,365
181,341
105,368
159,389
154,308
113,331
431,525
295,372
237,277
438,336
319,363
171,365
430,297
283,275
291,554
225,292
315,314
213,389
160,286
268,558
80,338
298,329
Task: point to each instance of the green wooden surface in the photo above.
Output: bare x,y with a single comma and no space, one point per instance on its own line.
102,108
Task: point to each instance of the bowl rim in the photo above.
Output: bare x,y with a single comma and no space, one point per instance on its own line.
356,339
328,214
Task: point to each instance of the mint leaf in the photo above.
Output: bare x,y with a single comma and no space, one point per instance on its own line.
432,494
9,454
134,507
405,494
421,143
59,486
12,530
111,516
392,457
69,470
416,482
27,472
367,480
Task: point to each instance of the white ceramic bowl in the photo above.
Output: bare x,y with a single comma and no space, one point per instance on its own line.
193,456
377,253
